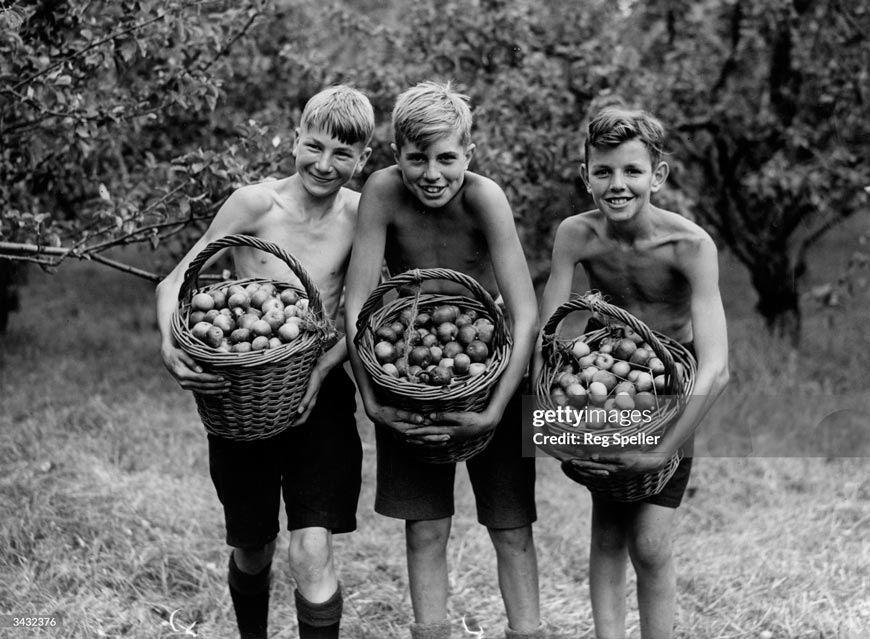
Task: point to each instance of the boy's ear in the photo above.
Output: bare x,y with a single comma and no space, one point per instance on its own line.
395,150
660,175
295,141
363,158
584,175
469,153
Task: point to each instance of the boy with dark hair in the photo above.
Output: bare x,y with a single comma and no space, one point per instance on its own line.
429,211
317,462
663,269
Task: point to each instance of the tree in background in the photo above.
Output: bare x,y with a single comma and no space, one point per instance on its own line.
132,121
770,103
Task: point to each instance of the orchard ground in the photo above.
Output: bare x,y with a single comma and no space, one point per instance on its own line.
110,520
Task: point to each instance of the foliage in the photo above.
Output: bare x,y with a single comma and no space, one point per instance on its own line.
133,120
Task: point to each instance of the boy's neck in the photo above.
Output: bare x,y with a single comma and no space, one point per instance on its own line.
311,205
637,228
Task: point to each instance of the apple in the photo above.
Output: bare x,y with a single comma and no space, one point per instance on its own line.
288,296
444,314
475,369
580,349
477,351
466,334
386,334
587,360
645,401
390,369
606,378
385,352
587,373
290,331
625,387
597,393
624,349
623,401
420,356
576,395
604,360
261,328
202,302
644,382
446,332
621,368
241,335
461,363
656,366
260,343
452,349
558,397
640,357
440,376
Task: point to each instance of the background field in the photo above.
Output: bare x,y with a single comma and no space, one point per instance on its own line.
109,518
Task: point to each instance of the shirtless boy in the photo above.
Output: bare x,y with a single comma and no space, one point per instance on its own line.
312,215
663,269
430,211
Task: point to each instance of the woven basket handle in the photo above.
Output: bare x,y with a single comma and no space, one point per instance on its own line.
416,277
593,303
192,274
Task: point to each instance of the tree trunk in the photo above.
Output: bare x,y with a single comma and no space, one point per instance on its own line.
8,291
775,280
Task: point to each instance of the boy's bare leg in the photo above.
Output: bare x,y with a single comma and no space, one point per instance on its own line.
319,601
518,576
608,556
426,546
650,549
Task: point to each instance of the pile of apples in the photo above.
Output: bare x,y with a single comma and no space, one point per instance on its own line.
435,347
240,319
622,373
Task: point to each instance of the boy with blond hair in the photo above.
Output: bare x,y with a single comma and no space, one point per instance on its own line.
317,462
429,211
663,269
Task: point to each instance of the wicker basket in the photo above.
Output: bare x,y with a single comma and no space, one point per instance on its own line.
266,386
463,394
668,408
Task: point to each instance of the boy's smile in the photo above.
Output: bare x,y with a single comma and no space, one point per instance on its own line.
434,174
621,179
325,163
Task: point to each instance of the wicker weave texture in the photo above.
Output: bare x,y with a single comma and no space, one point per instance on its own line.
557,354
469,394
266,386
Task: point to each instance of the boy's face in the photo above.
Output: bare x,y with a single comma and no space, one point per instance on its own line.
324,163
621,179
434,174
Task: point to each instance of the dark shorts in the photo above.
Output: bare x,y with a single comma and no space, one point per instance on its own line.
317,465
502,479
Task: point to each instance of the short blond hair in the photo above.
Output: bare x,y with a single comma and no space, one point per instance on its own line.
429,111
341,111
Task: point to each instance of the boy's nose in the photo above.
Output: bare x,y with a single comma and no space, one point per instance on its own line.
616,182
432,173
324,162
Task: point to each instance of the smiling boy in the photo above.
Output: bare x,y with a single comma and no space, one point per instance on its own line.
317,462
429,211
663,269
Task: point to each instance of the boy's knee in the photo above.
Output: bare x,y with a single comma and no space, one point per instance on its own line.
515,541
253,560
651,553
310,550
427,535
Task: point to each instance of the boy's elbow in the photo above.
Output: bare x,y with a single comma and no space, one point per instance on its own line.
723,376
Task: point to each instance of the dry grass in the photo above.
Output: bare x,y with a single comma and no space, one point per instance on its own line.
110,520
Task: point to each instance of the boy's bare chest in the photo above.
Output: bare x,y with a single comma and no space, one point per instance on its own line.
427,240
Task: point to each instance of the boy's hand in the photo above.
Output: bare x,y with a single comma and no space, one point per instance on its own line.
309,399
591,468
188,373
401,421
452,425
635,461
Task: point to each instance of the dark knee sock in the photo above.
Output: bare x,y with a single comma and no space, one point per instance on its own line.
319,621
250,595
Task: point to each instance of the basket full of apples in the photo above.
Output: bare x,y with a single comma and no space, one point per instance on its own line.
431,352
263,336
613,388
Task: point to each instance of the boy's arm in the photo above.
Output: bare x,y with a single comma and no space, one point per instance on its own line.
569,240
231,218
711,345
364,272
710,337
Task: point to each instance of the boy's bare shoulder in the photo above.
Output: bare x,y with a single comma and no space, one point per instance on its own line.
685,234
582,226
257,197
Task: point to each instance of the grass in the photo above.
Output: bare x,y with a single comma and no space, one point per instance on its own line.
110,520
